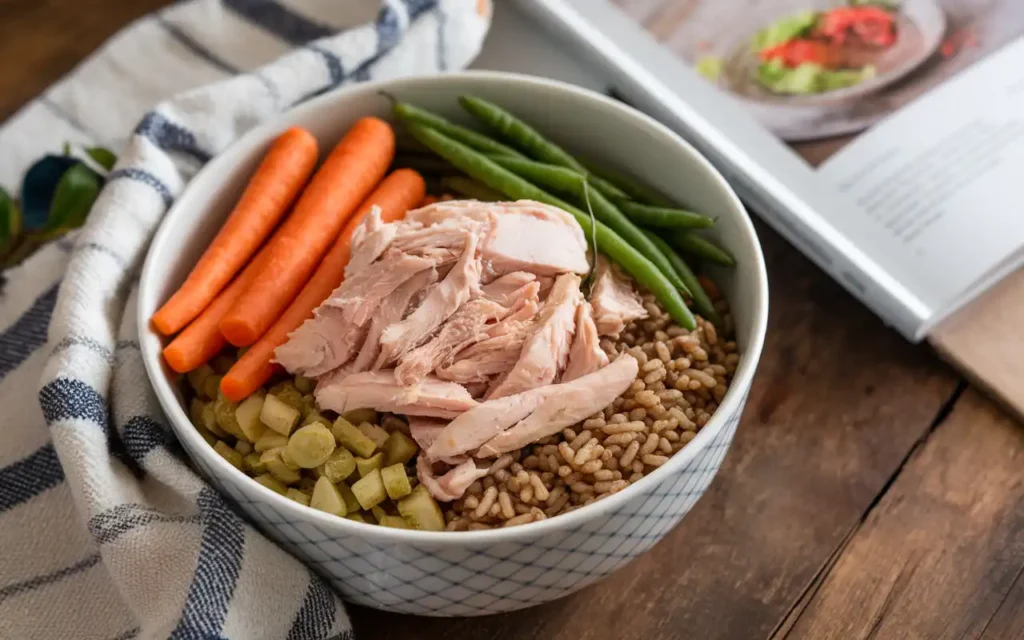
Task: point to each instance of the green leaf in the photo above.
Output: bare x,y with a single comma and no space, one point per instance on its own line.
67,148
10,222
105,157
76,192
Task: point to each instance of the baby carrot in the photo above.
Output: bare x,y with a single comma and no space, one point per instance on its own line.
347,176
271,190
201,339
402,190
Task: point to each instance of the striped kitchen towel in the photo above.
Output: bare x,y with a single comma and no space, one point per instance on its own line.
105,531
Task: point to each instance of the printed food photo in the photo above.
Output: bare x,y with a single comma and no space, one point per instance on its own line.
453,324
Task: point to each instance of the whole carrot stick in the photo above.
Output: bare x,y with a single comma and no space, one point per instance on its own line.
271,190
348,175
201,339
399,192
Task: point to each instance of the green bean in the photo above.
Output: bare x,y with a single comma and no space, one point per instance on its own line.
518,133
664,218
483,169
700,247
700,297
529,140
410,114
570,182
428,164
634,189
548,176
470,188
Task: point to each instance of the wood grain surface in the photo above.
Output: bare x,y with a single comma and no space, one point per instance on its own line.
866,495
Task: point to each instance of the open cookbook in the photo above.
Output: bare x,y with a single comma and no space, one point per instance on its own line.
884,139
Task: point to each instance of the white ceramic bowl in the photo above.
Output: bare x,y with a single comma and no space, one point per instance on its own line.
481,572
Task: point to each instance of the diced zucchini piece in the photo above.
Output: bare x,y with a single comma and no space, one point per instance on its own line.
229,454
212,386
248,417
253,464
226,419
352,438
298,496
378,513
278,467
197,378
315,416
369,490
195,412
326,497
396,522
366,465
222,363
287,459
243,447
421,511
288,394
304,385
271,483
399,449
270,440
357,517
392,423
339,466
308,405
209,437
359,416
311,446
210,420
279,415
375,433
395,481
350,498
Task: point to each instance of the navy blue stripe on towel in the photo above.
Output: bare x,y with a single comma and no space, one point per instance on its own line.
29,477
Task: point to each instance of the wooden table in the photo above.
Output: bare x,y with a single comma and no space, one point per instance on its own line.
869,493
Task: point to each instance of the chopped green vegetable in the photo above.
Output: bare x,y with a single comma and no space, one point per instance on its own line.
247,415
351,503
357,517
395,522
213,386
278,467
369,490
421,511
222,363
396,483
225,412
304,385
253,464
271,483
270,440
399,449
298,496
311,446
197,379
783,30
279,415
375,433
808,77
243,447
339,466
359,416
352,438
287,393
366,465
229,454
326,497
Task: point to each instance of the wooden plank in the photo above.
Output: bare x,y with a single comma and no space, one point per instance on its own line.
942,553
838,403
41,40
982,340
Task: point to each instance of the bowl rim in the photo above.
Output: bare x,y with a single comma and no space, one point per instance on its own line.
339,526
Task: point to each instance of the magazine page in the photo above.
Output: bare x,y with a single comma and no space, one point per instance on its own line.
816,105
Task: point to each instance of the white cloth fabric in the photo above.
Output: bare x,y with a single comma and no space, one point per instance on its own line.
106,532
